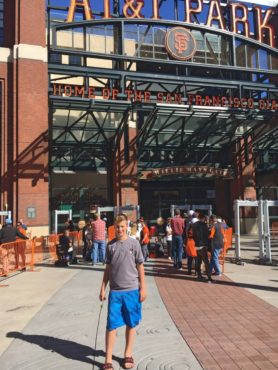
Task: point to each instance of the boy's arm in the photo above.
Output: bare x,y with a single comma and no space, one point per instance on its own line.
104,283
141,273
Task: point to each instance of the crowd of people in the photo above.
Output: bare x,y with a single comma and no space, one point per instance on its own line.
194,236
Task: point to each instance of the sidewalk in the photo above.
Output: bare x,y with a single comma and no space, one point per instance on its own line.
62,334
50,320
226,326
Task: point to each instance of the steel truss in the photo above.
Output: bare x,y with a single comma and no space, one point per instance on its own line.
167,133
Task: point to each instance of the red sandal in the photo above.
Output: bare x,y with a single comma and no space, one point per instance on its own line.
107,366
128,363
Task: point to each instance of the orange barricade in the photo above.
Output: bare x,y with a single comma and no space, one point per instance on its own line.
15,256
228,238
20,254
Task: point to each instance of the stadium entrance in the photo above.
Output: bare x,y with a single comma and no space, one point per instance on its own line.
159,111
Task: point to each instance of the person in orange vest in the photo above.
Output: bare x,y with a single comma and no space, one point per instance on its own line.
145,239
217,244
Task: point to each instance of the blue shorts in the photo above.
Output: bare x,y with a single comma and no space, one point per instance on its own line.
124,308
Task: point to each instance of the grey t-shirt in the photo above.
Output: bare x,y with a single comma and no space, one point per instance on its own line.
123,256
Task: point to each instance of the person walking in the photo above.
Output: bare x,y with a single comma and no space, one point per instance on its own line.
99,239
177,225
145,239
168,230
125,273
217,244
200,235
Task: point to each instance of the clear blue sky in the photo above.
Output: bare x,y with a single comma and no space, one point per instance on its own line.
166,10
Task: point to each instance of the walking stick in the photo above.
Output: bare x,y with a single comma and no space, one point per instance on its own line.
99,316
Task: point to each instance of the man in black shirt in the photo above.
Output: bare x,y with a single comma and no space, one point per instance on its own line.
201,235
8,234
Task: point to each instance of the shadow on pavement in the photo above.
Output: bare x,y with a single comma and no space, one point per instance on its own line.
170,272
66,348
164,269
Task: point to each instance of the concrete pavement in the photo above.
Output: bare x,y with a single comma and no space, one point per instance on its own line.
49,320
62,334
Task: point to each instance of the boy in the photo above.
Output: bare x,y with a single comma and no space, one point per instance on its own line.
125,273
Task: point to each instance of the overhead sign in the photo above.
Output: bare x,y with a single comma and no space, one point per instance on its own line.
180,43
234,17
187,170
147,96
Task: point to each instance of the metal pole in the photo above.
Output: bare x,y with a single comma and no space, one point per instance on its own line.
70,214
237,228
261,229
138,212
172,210
210,210
267,231
56,222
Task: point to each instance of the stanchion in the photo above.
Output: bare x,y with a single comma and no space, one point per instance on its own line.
32,263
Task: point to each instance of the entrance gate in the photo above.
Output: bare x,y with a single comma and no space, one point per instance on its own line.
201,207
120,209
263,226
8,214
59,213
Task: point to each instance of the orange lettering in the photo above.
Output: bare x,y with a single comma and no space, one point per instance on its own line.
106,93
215,14
107,13
129,94
79,91
189,10
68,90
115,93
155,10
79,4
55,88
198,100
91,93
147,97
262,25
241,20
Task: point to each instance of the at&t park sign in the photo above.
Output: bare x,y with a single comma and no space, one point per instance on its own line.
234,16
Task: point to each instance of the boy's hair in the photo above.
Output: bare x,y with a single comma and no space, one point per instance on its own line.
120,218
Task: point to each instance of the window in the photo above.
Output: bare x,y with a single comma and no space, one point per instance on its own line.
56,58
75,60
31,212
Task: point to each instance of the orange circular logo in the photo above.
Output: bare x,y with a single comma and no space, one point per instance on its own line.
180,43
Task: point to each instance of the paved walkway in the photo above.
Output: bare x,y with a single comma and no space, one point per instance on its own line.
49,321
226,326
62,334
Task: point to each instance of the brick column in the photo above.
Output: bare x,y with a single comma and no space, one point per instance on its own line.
244,185
125,180
27,127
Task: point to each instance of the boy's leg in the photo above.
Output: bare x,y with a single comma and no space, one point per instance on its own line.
129,337
110,341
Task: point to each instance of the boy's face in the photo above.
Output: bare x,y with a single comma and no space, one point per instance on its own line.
121,229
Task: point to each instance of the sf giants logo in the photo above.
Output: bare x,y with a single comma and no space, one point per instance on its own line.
180,43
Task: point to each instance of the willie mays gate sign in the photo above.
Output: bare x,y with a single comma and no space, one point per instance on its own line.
193,84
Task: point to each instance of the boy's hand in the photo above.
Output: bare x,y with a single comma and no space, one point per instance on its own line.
102,295
143,295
